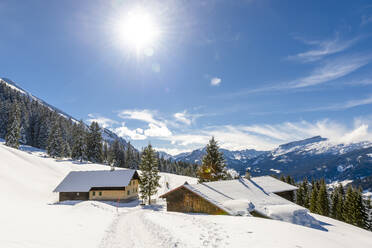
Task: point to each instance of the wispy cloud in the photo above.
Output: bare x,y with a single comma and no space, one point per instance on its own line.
102,121
327,71
342,106
331,70
216,81
323,48
265,137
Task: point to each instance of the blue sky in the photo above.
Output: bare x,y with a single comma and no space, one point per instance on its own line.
253,73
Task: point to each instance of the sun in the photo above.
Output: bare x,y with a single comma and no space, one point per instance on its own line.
138,29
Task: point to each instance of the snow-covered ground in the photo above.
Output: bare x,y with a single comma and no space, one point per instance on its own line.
31,217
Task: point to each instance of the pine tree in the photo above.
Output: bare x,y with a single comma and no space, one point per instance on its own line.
129,157
94,143
14,126
305,188
369,213
66,150
79,144
149,182
55,142
313,198
349,206
322,200
337,203
105,152
213,166
300,195
360,214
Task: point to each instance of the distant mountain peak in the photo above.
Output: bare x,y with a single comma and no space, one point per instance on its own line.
303,142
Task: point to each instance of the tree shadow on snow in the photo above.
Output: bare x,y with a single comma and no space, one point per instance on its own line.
154,207
130,204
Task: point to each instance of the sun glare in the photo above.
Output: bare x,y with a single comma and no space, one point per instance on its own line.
138,29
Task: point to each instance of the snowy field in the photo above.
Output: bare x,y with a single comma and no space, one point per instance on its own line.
31,217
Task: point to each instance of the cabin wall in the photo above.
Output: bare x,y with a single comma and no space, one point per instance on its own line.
183,200
73,196
288,195
126,193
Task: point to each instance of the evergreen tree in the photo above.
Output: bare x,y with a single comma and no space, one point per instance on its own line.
105,153
94,143
300,195
130,157
79,141
369,213
66,150
305,188
149,182
313,198
213,166
116,154
360,215
349,206
79,144
14,127
55,147
337,203
322,200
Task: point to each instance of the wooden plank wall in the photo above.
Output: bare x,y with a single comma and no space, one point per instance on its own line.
183,200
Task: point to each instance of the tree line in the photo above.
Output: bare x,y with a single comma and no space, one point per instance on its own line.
347,205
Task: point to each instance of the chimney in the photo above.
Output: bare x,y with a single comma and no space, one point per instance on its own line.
247,174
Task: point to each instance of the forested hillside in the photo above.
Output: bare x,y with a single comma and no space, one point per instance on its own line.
25,119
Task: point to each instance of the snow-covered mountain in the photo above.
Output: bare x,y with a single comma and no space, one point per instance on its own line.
232,157
107,134
313,157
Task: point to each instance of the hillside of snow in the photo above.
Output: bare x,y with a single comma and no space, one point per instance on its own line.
31,217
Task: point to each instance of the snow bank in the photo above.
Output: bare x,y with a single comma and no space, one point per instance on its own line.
242,207
291,214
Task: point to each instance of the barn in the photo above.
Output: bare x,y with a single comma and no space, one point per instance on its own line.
104,185
257,196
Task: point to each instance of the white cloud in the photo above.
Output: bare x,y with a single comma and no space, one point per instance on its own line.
266,137
172,151
102,121
330,70
216,81
125,132
343,105
142,115
157,131
156,127
323,48
183,117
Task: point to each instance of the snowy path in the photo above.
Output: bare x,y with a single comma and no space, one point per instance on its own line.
131,229
147,228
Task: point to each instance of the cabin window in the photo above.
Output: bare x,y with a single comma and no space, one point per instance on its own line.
99,193
128,192
93,193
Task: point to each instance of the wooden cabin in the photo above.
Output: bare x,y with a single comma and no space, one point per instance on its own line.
255,196
101,185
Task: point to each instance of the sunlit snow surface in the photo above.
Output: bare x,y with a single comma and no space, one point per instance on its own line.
30,216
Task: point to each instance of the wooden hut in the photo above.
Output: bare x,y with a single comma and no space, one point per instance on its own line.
254,196
104,185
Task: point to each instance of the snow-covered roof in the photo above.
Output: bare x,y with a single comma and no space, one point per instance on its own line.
242,196
273,185
83,181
